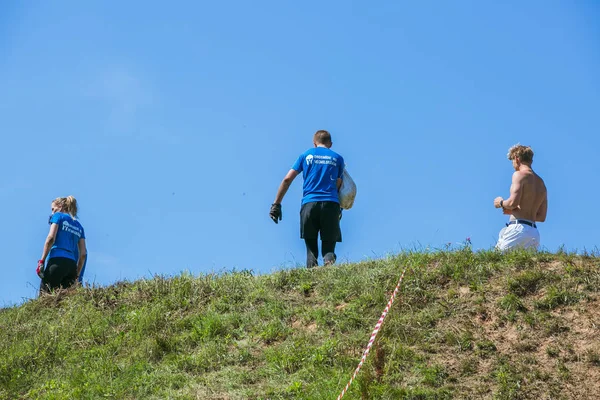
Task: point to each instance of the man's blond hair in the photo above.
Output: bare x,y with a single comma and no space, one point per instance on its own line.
523,153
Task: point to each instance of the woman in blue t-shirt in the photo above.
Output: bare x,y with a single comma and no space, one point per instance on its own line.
65,247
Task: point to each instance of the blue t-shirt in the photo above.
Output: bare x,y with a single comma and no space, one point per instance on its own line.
321,167
67,237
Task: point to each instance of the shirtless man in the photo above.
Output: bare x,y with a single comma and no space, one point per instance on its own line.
527,204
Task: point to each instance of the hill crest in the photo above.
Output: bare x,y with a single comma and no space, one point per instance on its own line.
465,325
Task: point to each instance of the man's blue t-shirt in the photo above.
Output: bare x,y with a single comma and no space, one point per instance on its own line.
67,237
321,167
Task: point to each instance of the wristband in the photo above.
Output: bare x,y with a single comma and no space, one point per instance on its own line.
502,204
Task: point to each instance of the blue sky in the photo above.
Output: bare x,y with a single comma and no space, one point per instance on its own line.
173,126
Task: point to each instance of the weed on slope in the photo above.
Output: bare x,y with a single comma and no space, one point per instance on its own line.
465,325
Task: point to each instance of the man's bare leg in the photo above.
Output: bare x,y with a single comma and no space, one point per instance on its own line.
312,252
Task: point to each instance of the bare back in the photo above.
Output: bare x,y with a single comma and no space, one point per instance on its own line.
530,190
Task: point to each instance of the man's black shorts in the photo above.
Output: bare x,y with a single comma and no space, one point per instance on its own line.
323,217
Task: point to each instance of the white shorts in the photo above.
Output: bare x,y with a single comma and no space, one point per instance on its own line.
519,236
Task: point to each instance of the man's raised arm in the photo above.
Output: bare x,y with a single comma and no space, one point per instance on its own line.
516,190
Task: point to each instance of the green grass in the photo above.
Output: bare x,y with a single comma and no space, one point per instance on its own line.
465,325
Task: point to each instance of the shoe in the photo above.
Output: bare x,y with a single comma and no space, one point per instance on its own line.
329,259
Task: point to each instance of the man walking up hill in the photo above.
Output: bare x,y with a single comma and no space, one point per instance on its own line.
320,213
527,204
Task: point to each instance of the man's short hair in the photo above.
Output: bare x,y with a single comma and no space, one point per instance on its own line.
523,153
322,137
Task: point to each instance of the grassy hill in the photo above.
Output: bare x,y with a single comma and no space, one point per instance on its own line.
466,325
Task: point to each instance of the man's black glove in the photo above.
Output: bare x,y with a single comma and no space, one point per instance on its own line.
275,212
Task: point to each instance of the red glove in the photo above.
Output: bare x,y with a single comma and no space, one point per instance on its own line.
40,268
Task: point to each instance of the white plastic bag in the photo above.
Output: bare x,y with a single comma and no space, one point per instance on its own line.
347,191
